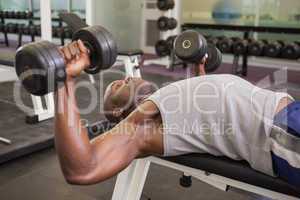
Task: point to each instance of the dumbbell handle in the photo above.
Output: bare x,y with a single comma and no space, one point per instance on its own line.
87,65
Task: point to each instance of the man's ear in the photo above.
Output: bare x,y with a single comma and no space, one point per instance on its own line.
117,112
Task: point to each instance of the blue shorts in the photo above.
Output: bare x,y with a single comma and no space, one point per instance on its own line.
288,119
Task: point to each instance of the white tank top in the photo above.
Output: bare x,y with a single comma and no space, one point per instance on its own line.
223,115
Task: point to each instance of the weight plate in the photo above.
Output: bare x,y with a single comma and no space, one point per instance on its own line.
50,66
112,45
99,33
30,68
225,45
291,51
161,48
170,42
165,5
256,48
172,23
58,60
190,46
214,59
162,23
103,51
272,50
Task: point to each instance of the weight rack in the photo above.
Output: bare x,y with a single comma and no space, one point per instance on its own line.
247,30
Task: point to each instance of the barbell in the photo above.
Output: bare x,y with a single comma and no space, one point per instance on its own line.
40,65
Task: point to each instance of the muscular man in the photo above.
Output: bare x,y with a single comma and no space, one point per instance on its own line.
222,115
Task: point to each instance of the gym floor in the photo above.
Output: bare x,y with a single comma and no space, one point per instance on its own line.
38,176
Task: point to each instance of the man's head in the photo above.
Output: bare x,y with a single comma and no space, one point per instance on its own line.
123,96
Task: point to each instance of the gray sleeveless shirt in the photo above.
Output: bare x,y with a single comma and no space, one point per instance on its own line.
223,115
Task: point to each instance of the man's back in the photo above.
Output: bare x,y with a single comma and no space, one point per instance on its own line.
223,115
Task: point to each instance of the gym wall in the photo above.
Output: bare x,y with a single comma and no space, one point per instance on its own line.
271,12
14,5
278,13
123,19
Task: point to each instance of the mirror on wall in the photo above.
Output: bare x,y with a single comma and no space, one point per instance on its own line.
280,13
123,18
78,7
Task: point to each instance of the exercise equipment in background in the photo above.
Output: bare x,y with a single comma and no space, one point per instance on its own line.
164,47
166,23
256,47
291,50
165,5
273,49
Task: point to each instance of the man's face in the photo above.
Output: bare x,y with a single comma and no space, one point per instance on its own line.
122,96
122,91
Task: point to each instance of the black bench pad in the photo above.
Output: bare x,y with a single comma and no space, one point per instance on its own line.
134,52
236,170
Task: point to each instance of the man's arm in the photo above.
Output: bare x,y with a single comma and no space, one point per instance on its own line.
88,162
85,162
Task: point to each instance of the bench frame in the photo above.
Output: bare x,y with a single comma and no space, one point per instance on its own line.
131,181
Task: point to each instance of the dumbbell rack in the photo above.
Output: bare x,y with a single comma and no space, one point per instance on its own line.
168,61
15,15
242,70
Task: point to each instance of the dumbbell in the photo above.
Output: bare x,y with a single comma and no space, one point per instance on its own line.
11,14
28,14
26,30
20,15
11,28
273,49
40,65
165,5
212,40
170,42
190,46
38,30
165,23
225,45
256,48
164,47
291,51
239,46
5,14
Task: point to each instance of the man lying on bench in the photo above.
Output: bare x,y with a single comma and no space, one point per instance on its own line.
222,115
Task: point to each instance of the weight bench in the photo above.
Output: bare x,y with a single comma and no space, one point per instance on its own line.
219,172
131,60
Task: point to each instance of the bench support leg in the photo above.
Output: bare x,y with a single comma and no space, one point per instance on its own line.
130,182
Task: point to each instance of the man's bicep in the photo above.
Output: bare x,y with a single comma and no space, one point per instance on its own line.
113,152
